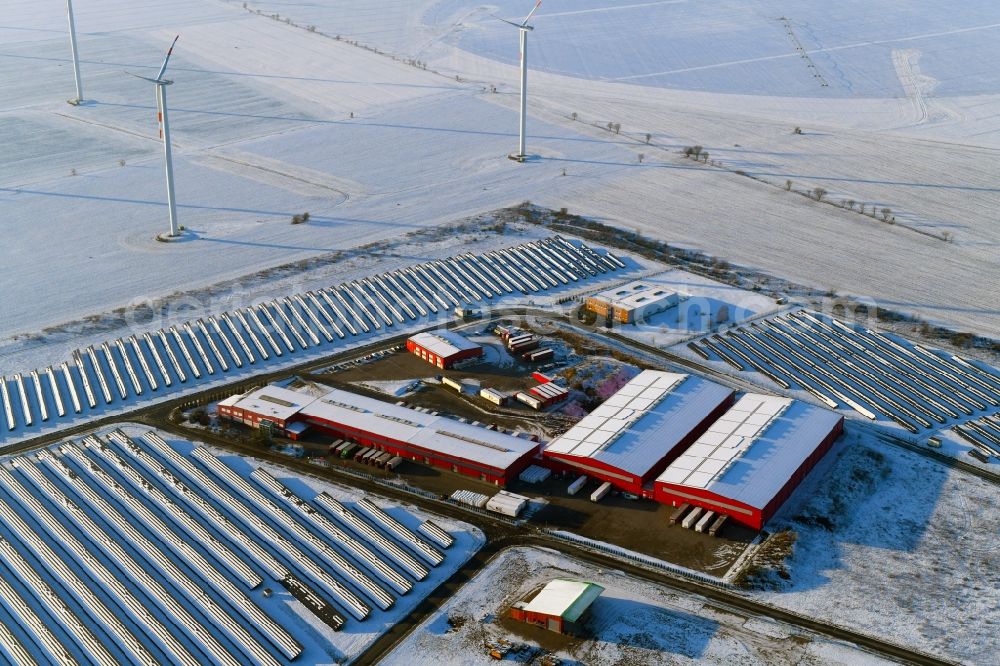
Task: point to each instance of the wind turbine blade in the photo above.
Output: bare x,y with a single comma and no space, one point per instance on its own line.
516,25
163,67
533,10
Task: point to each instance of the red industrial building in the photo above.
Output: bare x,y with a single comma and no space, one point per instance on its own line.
443,348
558,606
636,432
749,461
489,455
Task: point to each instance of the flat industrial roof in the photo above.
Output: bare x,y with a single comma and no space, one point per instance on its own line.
564,598
443,343
549,390
434,433
753,449
271,402
643,421
639,293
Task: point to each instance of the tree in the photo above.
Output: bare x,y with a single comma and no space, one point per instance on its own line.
886,213
648,137
296,219
573,116
788,186
641,158
818,193
850,203
305,217
704,157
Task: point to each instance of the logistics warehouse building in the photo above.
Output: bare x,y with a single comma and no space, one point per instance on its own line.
435,440
634,301
749,461
443,348
635,433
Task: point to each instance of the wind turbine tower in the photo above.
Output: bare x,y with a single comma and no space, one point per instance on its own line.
76,54
523,28
161,116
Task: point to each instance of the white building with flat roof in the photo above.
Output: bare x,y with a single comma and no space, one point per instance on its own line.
634,301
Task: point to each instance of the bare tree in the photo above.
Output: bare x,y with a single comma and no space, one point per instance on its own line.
704,157
641,157
573,116
788,186
850,203
818,193
648,137
886,214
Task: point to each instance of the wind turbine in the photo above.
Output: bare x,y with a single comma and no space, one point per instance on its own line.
161,115
76,55
523,28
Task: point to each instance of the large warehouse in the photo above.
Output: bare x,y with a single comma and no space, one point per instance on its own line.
434,440
648,422
749,461
633,302
443,348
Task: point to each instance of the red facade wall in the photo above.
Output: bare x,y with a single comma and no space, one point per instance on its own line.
742,513
632,483
439,361
481,471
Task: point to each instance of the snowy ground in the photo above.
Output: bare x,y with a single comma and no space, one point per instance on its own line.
633,622
896,545
708,305
270,119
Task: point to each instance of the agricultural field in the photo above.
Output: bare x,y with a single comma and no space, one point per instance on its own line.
895,545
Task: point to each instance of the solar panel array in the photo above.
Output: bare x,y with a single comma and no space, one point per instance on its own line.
725,441
141,365
599,430
115,550
875,374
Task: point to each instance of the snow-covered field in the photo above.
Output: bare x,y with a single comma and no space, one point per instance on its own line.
896,545
270,119
216,565
632,622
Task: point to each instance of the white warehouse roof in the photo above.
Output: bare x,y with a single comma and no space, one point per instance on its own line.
637,294
641,423
427,431
272,402
753,449
564,598
443,343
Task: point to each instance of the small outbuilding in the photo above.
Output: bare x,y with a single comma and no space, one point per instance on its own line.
443,348
558,606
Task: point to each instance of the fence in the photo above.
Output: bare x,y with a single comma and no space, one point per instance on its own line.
646,560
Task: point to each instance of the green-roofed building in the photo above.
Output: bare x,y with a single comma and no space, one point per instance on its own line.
558,605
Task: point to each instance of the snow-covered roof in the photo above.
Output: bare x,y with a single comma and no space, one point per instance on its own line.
643,421
443,343
637,294
753,449
427,431
272,402
567,599
549,390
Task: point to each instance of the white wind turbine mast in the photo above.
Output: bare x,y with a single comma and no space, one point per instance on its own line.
523,28
161,115
76,55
